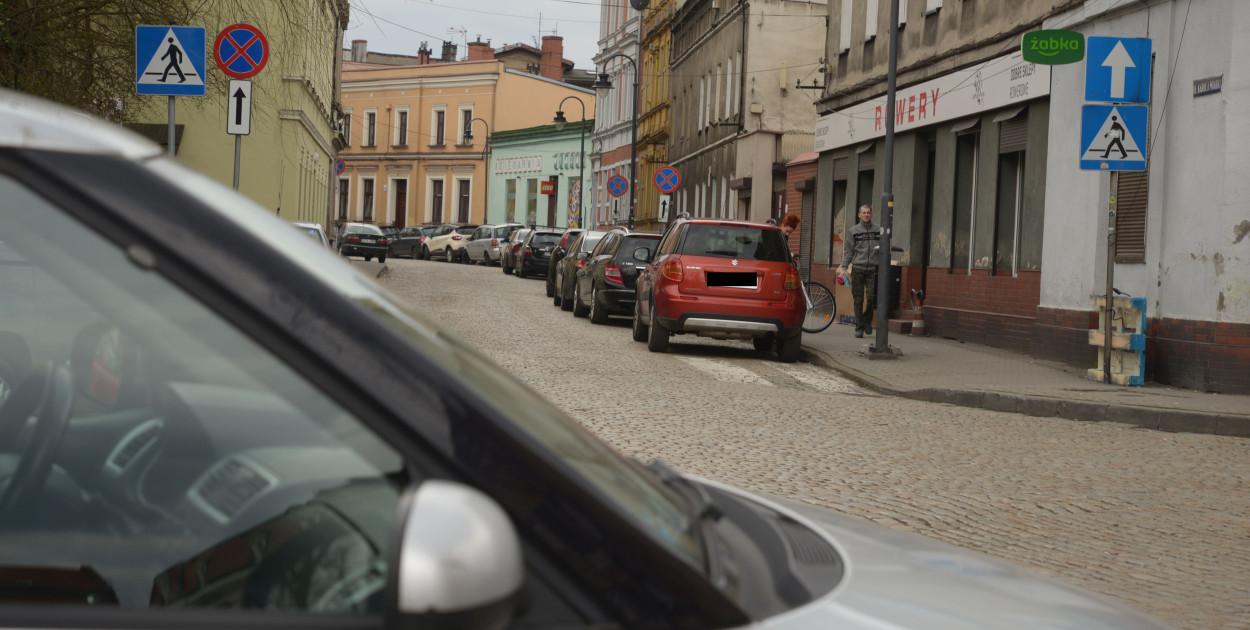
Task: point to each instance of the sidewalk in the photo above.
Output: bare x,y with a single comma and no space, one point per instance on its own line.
943,370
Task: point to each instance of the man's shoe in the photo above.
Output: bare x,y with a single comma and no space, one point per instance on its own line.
859,334
868,329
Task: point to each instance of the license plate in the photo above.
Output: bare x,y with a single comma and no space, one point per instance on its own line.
367,240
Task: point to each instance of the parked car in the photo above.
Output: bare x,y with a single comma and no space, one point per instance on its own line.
484,244
575,257
606,284
556,254
721,279
510,249
431,232
362,239
535,254
408,242
225,427
448,244
314,231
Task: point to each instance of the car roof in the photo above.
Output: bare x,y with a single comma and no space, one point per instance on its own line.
368,227
728,222
34,123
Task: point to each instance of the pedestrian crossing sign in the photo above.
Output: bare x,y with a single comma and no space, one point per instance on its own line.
169,60
1113,137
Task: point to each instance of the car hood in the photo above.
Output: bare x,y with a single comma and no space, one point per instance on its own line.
897,579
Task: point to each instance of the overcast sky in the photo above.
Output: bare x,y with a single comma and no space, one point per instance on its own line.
399,26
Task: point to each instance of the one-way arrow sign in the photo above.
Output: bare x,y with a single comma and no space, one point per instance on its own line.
239,108
1117,69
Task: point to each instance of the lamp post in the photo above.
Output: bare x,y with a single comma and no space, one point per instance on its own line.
604,83
468,136
581,155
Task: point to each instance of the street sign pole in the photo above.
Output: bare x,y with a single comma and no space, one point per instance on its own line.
172,127
882,348
1108,309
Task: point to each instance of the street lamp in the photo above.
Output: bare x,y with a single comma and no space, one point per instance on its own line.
581,156
468,137
604,83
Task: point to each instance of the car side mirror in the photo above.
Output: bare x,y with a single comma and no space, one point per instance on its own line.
459,560
643,254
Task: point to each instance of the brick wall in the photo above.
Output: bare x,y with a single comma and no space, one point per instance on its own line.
1202,355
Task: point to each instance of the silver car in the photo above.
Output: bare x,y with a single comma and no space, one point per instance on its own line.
227,426
484,245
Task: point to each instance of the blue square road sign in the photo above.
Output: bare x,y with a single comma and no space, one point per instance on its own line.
1114,137
169,60
1117,69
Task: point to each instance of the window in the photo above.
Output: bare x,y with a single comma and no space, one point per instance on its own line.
440,127
1012,135
366,199
466,125
844,28
729,86
531,202
966,150
401,127
462,206
371,128
871,13
902,13
1132,199
347,127
344,185
932,6
158,497
510,201
436,201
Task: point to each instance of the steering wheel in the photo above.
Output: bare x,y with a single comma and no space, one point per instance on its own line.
46,393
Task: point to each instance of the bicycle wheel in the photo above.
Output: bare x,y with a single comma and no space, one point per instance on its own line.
821,307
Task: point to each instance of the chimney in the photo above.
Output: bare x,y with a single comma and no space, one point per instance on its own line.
360,50
449,51
423,55
553,58
481,51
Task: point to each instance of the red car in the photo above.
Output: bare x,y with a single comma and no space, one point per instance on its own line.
725,280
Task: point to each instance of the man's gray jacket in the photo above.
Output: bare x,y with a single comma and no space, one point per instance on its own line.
862,245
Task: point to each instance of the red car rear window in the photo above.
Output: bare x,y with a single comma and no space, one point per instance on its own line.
734,241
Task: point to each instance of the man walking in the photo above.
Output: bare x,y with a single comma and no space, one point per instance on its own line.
860,251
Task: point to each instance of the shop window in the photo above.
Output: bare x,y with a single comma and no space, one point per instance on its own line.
965,199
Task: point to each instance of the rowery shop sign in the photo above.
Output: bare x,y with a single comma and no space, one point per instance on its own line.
984,87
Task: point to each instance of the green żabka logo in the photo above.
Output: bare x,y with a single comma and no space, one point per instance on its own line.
1053,47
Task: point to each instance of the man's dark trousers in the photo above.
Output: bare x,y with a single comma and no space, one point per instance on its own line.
864,285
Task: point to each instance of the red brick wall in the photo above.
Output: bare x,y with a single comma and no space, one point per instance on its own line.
794,198
1202,355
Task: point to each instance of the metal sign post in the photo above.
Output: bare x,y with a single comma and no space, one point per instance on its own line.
241,51
1109,308
169,61
239,118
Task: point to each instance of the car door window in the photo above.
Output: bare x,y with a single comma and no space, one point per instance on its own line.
197,469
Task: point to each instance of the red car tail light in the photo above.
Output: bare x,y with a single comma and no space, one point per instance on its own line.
353,239
579,263
456,237
494,242
672,270
528,250
612,273
517,247
792,279
382,241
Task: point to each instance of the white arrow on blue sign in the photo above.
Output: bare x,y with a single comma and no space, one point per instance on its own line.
1113,137
1117,69
169,60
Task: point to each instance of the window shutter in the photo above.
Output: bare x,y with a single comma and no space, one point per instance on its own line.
805,234
867,160
841,169
1012,134
1132,197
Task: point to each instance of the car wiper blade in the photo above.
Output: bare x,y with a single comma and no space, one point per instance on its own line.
700,501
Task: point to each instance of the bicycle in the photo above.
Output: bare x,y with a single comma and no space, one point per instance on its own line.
821,307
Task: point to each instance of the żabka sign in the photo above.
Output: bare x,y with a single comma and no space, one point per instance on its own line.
1053,47
984,87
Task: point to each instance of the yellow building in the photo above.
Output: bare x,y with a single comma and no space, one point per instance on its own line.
287,161
417,135
653,108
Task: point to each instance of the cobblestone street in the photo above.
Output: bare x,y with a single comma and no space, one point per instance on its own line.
1158,520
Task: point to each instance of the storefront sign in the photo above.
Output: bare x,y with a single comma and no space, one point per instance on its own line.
1054,47
547,187
567,160
526,164
997,83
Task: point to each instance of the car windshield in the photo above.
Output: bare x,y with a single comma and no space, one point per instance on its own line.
624,484
734,241
545,239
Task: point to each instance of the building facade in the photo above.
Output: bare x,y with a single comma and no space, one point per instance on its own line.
612,142
287,161
418,136
536,175
738,115
998,226
653,113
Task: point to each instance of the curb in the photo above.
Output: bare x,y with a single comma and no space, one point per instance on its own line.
1172,420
